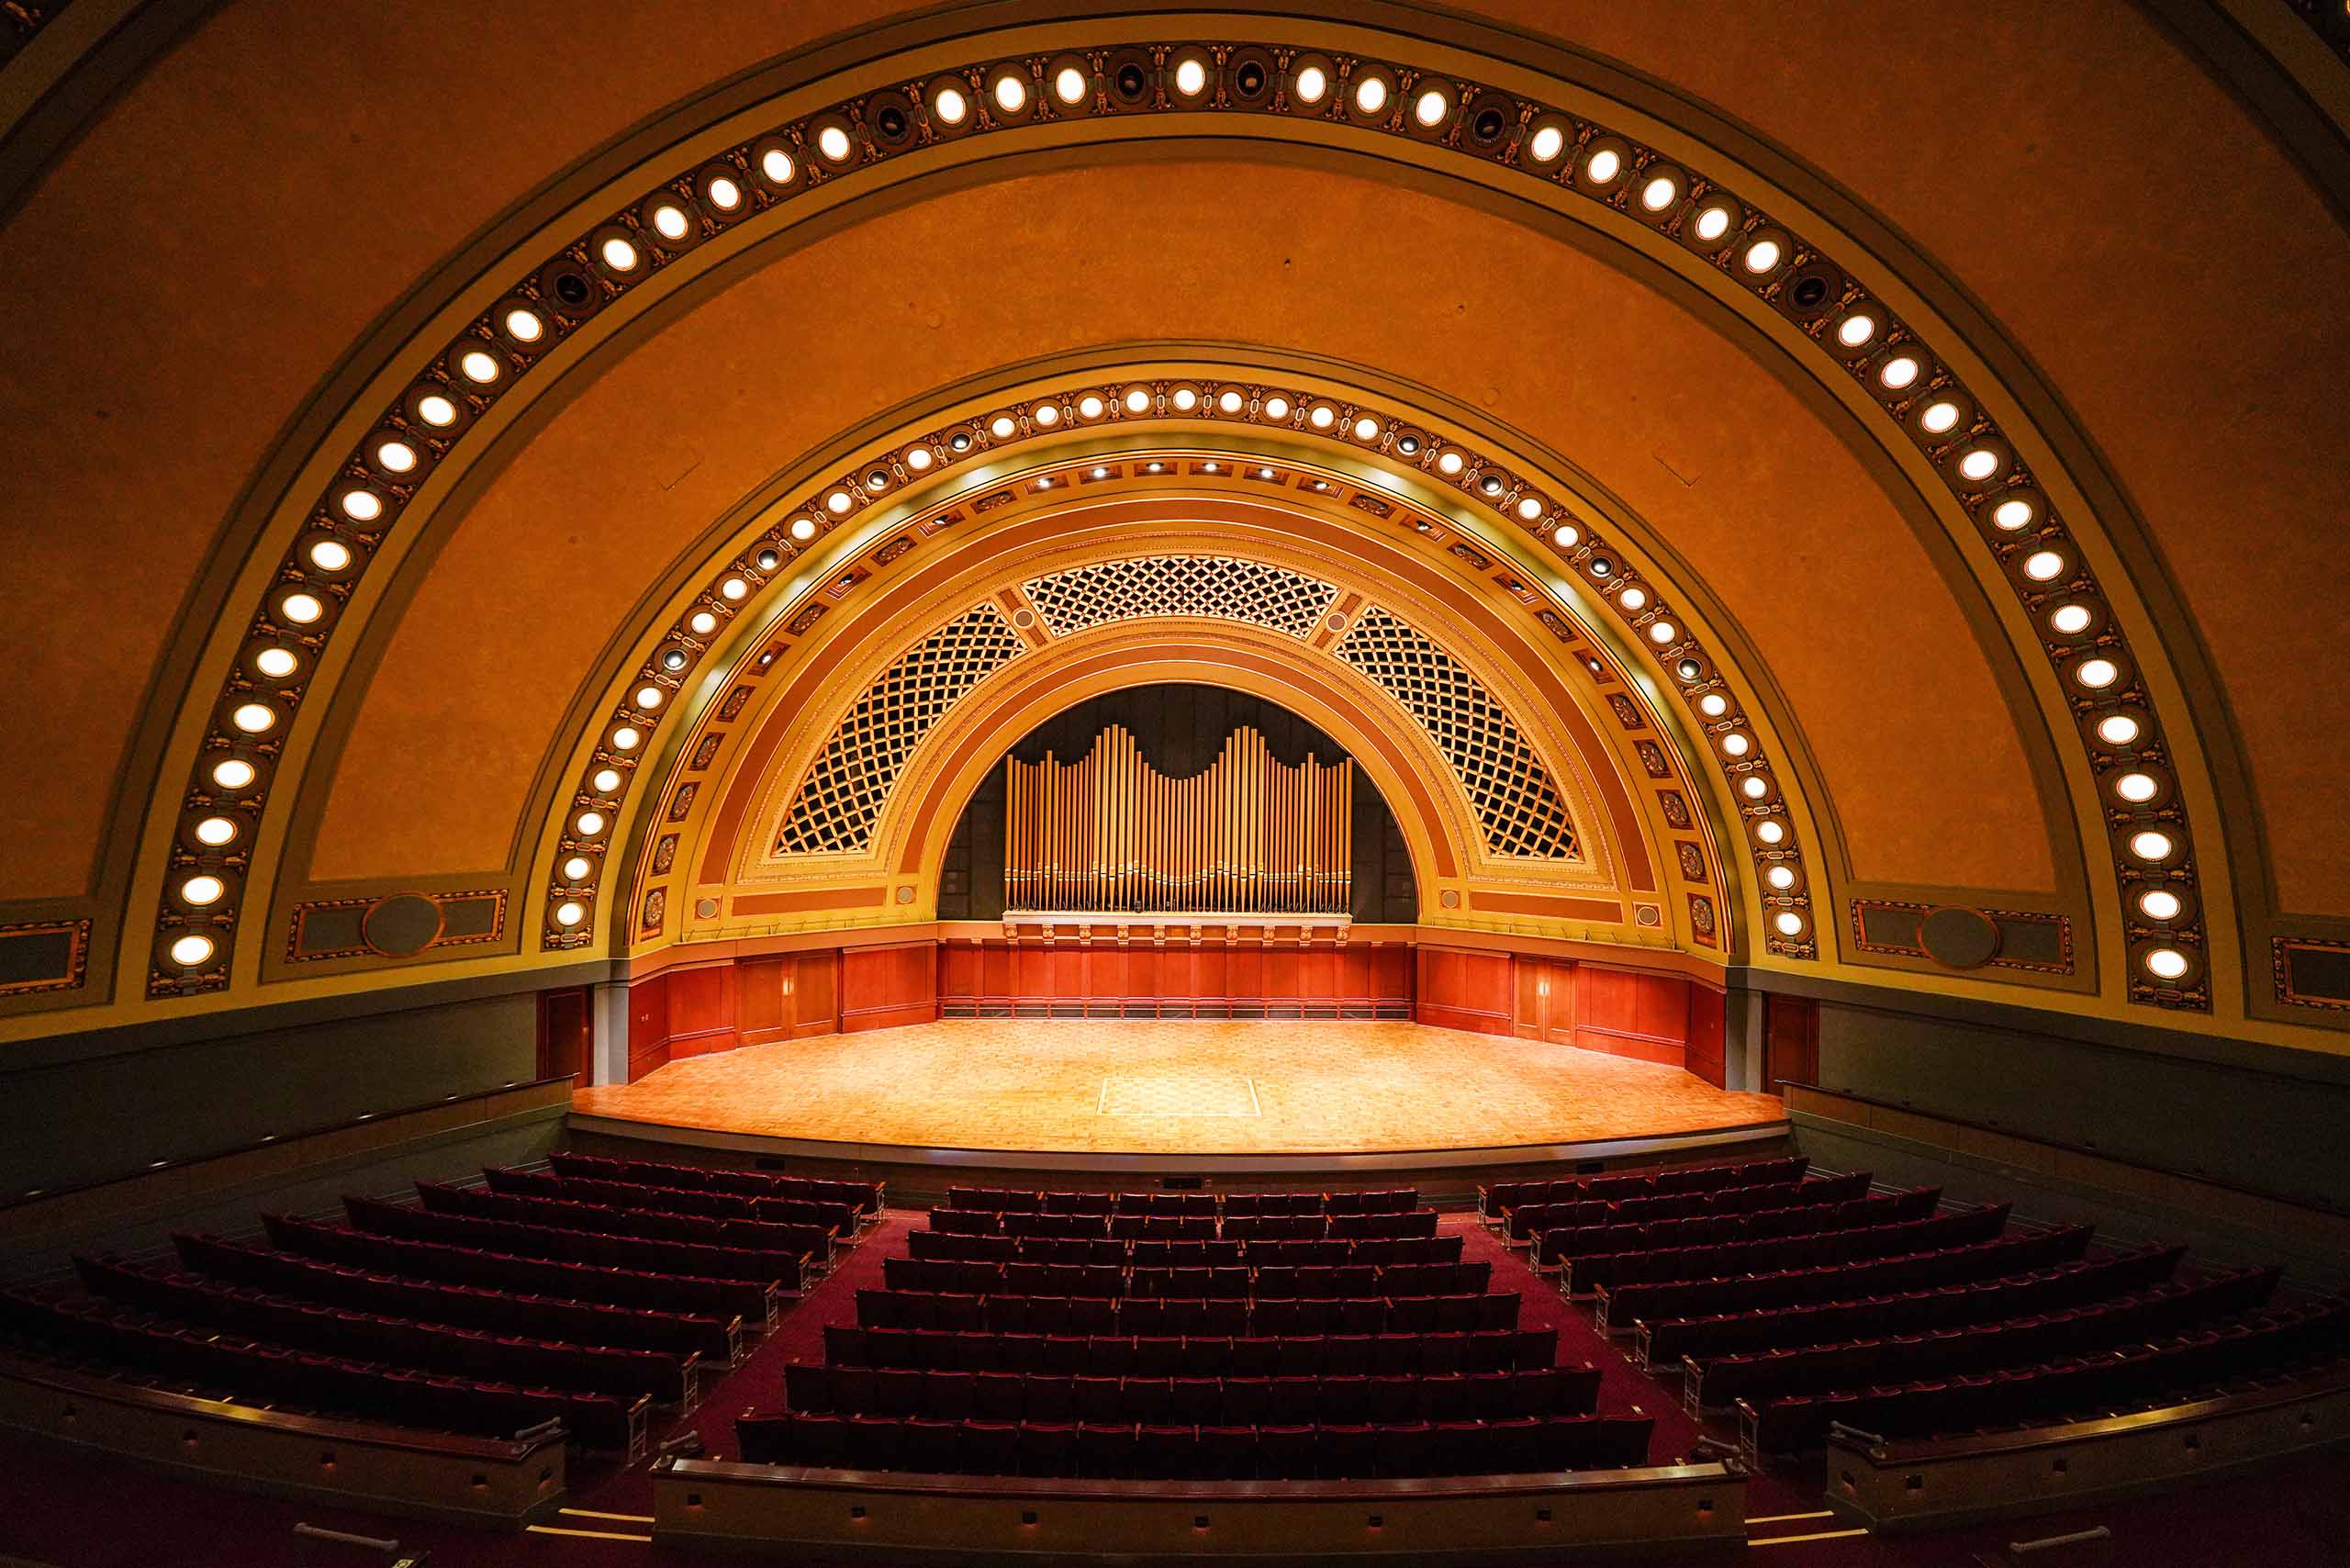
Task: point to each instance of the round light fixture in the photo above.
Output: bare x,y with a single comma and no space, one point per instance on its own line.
626,738
277,663
1069,84
2044,566
2160,903
606,781
1313,84
1430,108
361,506
1898,372
1855,330
834,142
1011,94
579,869
191,950
233,773
2153,845
214,833
619,255
589,823
1371,95
2168,964
203,890
395,456
254,718
570,912
437,411
2117,730
330,554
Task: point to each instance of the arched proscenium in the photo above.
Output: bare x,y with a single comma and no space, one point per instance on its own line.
1348,94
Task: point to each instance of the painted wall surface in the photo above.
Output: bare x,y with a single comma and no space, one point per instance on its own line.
2258,1129
106,1116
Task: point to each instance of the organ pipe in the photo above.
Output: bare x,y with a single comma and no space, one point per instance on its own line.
1252,835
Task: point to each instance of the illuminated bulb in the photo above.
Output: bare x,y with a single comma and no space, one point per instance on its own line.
2137,788
1190,78
834,143
396,457
254,718
1323,417
277,663
839,502
1100,472
435,409
918,459
1011,94
1209,466
1153,467
620,255
1660,193
524,326
1432,106
579,869
725,193
2013,513
1545,145
1979,465
1231,402
676,657
1713,223
1855,330
2152,845
570,912
703,622
1371,95
2159,904
669,221
330,554
1068,84
1632,599
361,506
190,951
1090,407
733,589
1451,462
1185,399
590,824
1565,536
1046,414
202,890
1789,922
648,698
1770,830
1737,744
2044,566
1939,417
626,738
1313,84
1277,408
606,781
2070,618
1781,876
1002,426
1264,473
2117,730
2096,674
1754,786
213,832
1713,705
1138,401
1663,632
1898,372
2166,963
776,165
233,773
1529,508
1604,166
952,107
1762,255
1366,428
804,529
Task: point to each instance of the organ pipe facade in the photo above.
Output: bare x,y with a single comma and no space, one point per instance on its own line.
1109,832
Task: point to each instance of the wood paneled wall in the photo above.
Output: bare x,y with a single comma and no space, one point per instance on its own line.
1657,1017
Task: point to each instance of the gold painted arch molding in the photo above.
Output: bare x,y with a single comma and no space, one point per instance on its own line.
1449,99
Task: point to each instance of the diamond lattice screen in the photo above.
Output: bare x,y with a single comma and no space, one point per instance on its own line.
1506,782
841,799
1270,597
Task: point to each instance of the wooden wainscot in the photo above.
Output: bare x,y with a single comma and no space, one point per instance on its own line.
840,1515
1940,1483
475,1481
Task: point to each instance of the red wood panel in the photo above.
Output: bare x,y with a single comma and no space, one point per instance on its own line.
1628,1013
881,988
1464,989
648,1026
761,1011
962,972
701,1010
814,1004
1707,1053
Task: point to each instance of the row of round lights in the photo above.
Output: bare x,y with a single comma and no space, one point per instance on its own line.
1574,153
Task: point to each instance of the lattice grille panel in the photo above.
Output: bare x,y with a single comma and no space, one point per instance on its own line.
1507,784
841,799
1270,597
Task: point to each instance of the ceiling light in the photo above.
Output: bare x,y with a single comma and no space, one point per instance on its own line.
626,738
703,622
669,221
579,869
619,255
733,589
1138,401
1004,427
1762,255
952,107
361,506
1231,402
1431,107
725,193
1736,744
435,409
2012,514
1788,923
1979,464
1565,535
1712,223
1493,484
1011,94
839,502
1660,193
2117,730
675,659
1312,84
1100,472
1321,415
1276,407
1366,428
2152,845
1153,467
1090,407
2137,788
2168,964
395,456
1190,77
1713,705
589,823
1632,598
1184,399
1770,830
1069,84
2070,620
918,459
2160,903
215,831
1209,466
776,165
1451,462
202,890
1898,372
1856,329
1545,145
254,718
1530,509
2044,566
277,663
1604,166
606,781
2096,674
1371,95
570,912
1940,416
648,698
834,142
1046,414
804,529
191,950
1754,786
1264,473
233,773
1779,877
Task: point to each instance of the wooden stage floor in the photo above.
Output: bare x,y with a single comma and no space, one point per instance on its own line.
1102,1088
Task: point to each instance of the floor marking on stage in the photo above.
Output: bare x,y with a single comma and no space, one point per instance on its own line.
1817,1535
642,1518
1764,1519
585,1534
1180,1095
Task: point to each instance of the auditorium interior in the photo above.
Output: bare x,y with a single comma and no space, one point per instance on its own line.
1260,783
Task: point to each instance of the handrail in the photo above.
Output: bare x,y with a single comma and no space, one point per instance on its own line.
1002,1488
2084,1151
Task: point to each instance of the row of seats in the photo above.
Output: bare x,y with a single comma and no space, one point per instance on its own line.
1189,1401
1000,1200
1529,1220
863,1196
423,1347
1982,1347
1236,1283
717,1341
2143,1376
1778,1253
1558,1247
1622,1308
1121,1355
757,1302
1107,1452
606,1219
324,1385
789,1269
1496,1201
946,1245
1186,1228
842,1219
1675,1340
1265,1316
